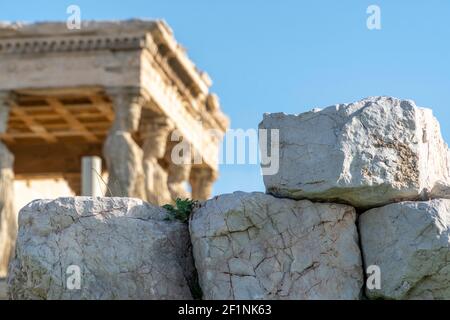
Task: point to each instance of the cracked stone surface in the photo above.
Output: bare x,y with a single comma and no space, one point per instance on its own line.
369,153
124,247
255,246
410,242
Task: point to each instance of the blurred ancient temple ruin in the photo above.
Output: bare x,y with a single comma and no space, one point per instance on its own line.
120,91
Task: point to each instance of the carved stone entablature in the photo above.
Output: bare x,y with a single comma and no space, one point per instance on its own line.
76,43
106,54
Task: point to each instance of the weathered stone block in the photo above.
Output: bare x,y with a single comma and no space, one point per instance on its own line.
410,243
255,246
124,249
368,153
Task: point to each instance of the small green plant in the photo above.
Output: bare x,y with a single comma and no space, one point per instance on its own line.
181,210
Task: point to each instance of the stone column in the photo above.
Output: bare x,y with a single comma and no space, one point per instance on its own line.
178,156
8,216
202,180
178,175
123,156
91,170
154,133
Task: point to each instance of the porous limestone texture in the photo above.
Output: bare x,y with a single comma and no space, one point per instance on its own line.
255,246
367,154
410,243
123,248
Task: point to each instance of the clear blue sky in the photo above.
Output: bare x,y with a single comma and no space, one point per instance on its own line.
291,56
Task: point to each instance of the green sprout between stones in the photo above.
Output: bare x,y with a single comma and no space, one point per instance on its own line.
181,210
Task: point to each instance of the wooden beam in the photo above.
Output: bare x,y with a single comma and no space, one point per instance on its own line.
104,108
71,133
67,133
43,109
71,119
38,117
35,127
59,158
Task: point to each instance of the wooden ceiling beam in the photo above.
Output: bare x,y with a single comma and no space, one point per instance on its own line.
51,118
63,133
59,108
35,127
104,108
